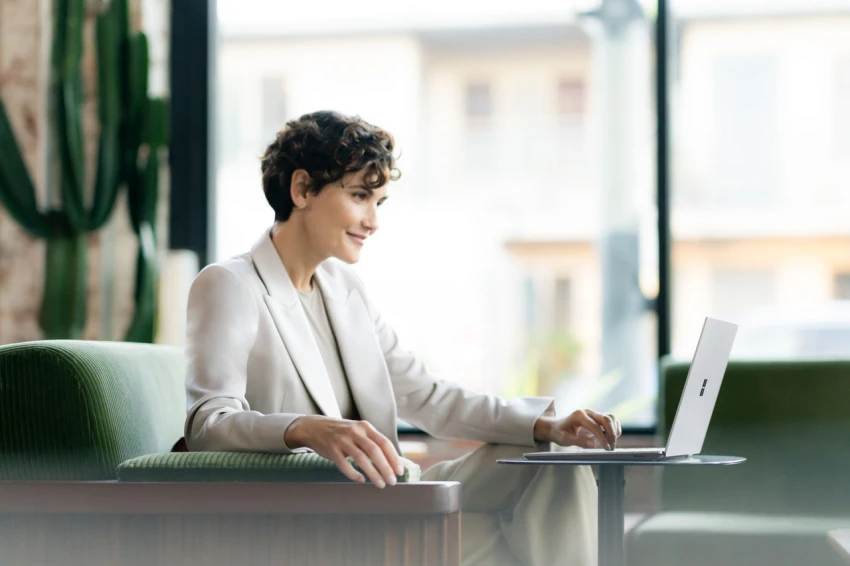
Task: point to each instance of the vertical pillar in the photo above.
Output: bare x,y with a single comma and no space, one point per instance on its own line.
621,111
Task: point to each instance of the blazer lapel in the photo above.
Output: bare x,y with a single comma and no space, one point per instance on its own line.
292,324
360,354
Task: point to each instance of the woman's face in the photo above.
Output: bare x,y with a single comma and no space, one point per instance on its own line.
341,218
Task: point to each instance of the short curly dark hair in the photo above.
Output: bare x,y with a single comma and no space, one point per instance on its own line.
327,145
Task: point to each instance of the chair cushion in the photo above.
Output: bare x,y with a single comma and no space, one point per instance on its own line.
708,539
240,466
74,410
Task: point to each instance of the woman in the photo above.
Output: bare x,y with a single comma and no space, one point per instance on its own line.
287,353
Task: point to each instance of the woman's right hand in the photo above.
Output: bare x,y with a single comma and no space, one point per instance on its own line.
339,439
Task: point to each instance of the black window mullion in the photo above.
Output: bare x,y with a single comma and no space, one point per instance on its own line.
193,33
662,109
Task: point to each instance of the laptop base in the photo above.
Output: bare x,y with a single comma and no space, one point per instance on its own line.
600,454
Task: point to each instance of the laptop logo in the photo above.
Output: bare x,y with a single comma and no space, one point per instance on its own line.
703,388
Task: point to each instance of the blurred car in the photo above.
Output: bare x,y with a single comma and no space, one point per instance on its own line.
814,331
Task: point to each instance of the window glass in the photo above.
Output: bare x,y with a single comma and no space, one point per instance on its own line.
761,99
516,253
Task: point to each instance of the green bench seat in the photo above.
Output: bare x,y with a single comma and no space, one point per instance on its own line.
791,420
735,538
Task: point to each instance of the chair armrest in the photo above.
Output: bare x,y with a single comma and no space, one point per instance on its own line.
240,467
226,498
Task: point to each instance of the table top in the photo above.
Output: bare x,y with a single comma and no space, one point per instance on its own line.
840,541
696,460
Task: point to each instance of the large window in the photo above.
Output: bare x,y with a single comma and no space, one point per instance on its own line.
479,105
759,213
842,286
740,289
273,110
480,145
842,106
518,253
510,250
745,137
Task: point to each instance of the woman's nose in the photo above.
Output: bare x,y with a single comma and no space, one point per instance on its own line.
371,221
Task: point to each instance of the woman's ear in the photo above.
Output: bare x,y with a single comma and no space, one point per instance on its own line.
299,185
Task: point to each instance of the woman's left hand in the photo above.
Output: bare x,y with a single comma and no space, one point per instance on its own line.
584,428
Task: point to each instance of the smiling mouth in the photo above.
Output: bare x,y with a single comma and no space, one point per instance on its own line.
357,239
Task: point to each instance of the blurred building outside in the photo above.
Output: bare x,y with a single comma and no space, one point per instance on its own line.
488,261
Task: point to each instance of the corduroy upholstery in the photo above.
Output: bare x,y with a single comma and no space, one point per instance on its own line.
78,410
240,466
74,410
791,420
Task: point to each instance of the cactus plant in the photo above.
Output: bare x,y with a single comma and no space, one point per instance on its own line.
143,190
132,130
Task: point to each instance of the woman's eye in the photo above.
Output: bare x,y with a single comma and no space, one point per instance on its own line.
361,196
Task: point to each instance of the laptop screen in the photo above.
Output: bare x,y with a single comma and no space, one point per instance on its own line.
701,388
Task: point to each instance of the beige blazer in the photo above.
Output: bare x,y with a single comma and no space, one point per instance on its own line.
254,366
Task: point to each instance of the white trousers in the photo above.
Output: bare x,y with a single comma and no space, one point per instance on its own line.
518,514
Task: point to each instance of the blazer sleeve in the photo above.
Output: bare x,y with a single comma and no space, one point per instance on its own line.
447,410
221,328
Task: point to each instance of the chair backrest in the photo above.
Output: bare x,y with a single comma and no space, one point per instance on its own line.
74,410
790,419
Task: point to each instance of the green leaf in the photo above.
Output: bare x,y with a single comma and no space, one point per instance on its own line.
108,72
107,182
138,79
70,132
150,185
63,305
73,39
69,129
122,18
156,123
142,327
57,51
17,191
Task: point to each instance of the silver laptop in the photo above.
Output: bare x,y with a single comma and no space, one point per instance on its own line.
695,406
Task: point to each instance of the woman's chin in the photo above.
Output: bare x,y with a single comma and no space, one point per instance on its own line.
350,258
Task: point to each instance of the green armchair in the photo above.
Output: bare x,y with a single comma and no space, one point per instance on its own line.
86,437
75,410
791,420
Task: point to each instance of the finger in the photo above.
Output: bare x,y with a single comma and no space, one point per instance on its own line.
389,452
611,428
591,425
619,426
586,439
367,467
347,468
607,424
378,458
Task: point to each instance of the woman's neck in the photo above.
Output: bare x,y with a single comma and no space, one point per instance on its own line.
293,248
